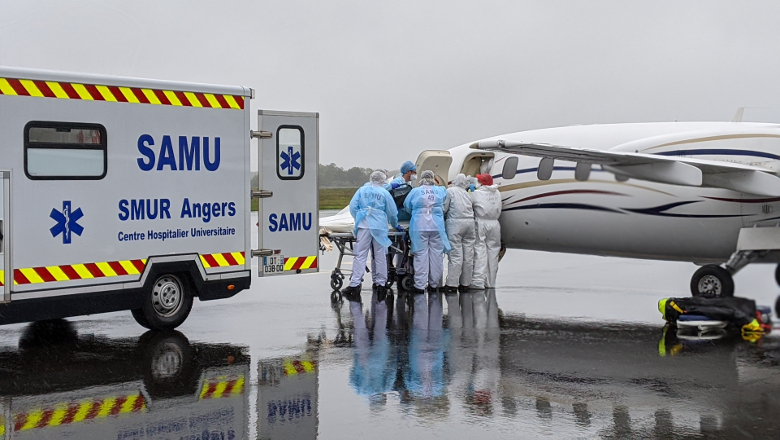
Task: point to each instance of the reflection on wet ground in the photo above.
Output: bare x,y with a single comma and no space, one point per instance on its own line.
58,384
475,367
453,366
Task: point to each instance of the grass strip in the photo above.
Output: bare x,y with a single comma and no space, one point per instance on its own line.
330,198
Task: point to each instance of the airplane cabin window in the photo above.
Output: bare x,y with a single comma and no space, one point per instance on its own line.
510,168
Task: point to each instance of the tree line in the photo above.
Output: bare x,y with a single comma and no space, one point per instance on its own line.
333,176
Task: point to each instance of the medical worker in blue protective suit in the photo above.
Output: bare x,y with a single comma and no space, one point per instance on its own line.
373,208
407,176
426,231
461,233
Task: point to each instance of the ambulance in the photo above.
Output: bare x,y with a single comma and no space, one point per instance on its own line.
135,194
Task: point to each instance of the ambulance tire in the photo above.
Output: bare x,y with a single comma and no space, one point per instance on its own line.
168,364
166,303
712,281
140,318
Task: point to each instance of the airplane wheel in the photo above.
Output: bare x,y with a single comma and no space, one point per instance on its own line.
712,281
777,275
777,306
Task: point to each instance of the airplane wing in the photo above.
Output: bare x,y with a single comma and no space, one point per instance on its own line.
664,169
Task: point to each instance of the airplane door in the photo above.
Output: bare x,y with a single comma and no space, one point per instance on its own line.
289,218
437,161
6,278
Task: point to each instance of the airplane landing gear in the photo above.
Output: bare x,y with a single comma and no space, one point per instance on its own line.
777,275
712,281
777,306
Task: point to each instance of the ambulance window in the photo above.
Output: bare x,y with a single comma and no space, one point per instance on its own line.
61,151
290,152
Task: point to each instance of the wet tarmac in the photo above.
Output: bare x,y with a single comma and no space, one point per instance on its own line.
566,346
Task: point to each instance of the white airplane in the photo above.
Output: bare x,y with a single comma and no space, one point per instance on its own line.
703,192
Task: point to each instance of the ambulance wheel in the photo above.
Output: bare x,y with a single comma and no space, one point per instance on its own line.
165,305
407,282
712,281
336,282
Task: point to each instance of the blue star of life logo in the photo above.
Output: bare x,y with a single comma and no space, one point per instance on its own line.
290,160
67,222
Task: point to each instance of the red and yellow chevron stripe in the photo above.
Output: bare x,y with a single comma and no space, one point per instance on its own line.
70,272
132,95
47,274
295,263
222,260
222,387
291,368
74,412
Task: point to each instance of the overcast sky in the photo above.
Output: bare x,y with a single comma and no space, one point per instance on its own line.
396,77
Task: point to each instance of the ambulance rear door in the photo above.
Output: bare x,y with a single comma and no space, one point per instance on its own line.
288,235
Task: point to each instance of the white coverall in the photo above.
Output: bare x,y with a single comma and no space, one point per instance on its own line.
461,233
487,208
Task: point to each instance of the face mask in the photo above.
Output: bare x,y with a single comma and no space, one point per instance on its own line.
414,177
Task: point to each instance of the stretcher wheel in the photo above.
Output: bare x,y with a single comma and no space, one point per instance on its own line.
712,281
336,282
390,281
407,282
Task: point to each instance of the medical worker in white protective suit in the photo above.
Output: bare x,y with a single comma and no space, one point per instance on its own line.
461,233
486,201
373,208
426,232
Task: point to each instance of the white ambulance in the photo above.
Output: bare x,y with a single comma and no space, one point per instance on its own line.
135,194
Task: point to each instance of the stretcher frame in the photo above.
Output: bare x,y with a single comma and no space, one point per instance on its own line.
400,245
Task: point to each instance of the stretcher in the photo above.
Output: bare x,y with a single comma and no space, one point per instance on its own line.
399,260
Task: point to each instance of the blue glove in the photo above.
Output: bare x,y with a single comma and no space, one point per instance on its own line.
472,188
394,185
399,228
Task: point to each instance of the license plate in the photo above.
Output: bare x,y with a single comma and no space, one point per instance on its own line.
273,264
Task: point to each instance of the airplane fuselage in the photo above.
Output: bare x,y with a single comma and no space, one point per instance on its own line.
635,218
